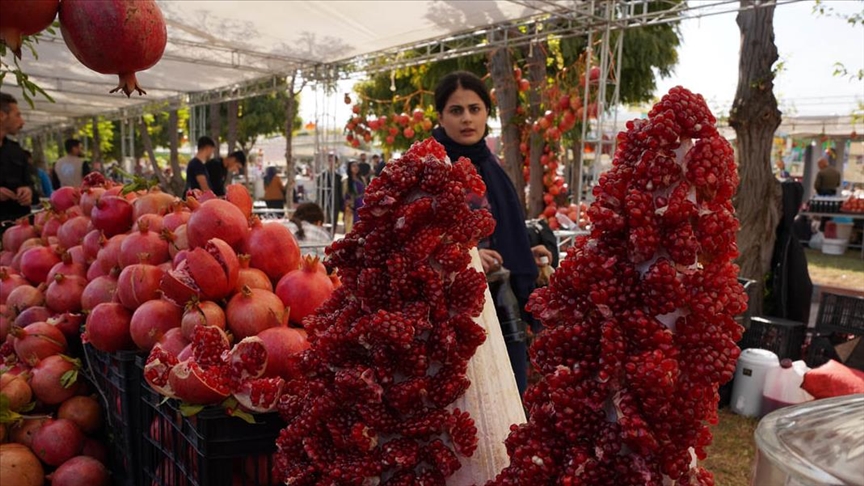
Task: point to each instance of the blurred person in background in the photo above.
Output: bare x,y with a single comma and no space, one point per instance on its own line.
353,187
328,190
274,190
196,172
70,169
827,179
16,183
41,181
218,170
377,164
307,225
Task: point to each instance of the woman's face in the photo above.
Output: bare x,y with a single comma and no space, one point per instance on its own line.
464,117
354,169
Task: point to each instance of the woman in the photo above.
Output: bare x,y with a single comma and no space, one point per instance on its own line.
41,181
307,226
353,188
274,191
463,105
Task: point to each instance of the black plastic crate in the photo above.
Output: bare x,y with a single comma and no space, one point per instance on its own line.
209,448
118,380
781,336
840,313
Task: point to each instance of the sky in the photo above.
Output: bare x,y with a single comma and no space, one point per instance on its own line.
809,46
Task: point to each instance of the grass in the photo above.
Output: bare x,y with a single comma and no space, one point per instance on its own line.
730,456
836,271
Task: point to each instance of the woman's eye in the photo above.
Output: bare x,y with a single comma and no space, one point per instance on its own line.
475,109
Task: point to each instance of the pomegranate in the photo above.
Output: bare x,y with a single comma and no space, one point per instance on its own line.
80,471
155,222
31,243
76,254
64,293
112,214
179,215
22,432
73,231
173,341
69,323
38,341
74,212
303,290
193,385
66,267
9,281
208,273
95,271
135,31
64,198
137,284
238,195
16,390
152,320
216,218
55,379
18,234
37,262
95,449
5,326
251,277
206,313
108,328
18,465
52,224
93,242
158,367
84,411
31,315
100,290
155,202
57,441
143,246
89,197
109,255
284,345
272,248
177,240
251,311
6,258
24,297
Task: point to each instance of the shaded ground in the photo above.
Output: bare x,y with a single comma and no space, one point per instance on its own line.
730,456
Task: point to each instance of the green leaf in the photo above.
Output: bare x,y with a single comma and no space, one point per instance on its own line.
69,378
188,410
29,407
7,415
245,416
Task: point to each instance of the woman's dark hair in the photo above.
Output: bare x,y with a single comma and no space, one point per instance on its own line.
464,80
352,189
269,174
309,212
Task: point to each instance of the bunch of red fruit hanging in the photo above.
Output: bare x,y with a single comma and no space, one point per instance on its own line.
639,316
390,349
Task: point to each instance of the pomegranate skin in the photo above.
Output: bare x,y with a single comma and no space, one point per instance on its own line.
135,32
25,18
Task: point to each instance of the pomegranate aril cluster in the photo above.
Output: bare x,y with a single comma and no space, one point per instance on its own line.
390,349
639,329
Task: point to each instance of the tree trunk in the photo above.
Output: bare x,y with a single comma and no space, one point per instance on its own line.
176,184
755,117
215,112
147,144
39,150
536,64
232,125
507,95
290,111
97,140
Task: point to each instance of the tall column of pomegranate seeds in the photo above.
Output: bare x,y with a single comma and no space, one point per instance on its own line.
389,350
639,316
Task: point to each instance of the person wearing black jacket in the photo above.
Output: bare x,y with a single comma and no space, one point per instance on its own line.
463,104
16,183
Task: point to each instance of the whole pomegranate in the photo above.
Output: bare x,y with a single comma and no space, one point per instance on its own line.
135,32
16,390
57,441
205,313
55,379
252,277
154,202
251,311
107,328
152,320
80,471
21,232
37,262
22,432
137,284
272,248
18,465
25,297
25,18
64,293
100,290
92,243
173,341
179,215
238,195
143,246
112,214
89,196
72,232
66,267
9,281
84,411
216,218
284,345
37,342
109,255
64,198
31,315
304,289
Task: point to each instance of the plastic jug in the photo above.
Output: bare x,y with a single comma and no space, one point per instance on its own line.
753,365
783,386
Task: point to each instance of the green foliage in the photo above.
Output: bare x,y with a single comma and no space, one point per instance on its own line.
106,134
29,89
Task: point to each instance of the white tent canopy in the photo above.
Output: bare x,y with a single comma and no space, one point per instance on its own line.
225,45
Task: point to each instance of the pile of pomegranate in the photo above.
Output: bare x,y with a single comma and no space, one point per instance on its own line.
389,350
639,329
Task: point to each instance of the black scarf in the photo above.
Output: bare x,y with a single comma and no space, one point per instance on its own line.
510,237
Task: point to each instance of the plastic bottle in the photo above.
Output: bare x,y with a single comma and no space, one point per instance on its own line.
783,386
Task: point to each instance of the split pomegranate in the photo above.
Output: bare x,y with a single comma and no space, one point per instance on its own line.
84,411
390,348
251,277
205,313
216,218
18,464
73,231
100,290
57,441
64,198
152,320
37,262
251,311
639,316
18,234
108,328
112,214
37,342
64,293
208,273
143,246
55,379
135,32
304,290
80,471
138,284
272,249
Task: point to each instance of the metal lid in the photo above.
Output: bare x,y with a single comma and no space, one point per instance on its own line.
819,442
